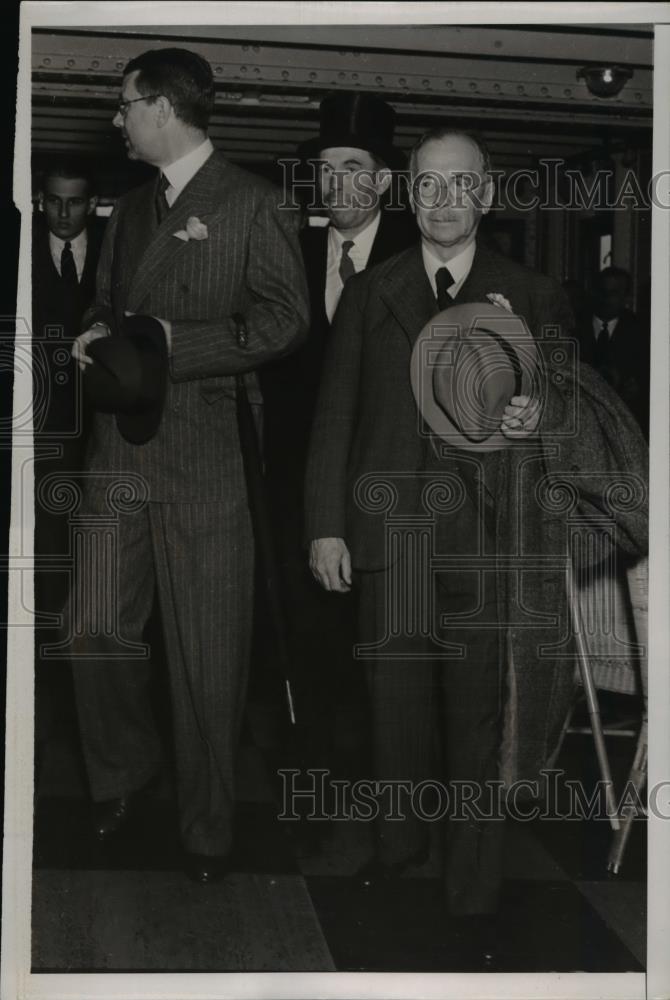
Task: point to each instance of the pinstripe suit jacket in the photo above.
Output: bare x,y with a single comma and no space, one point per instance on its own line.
250,262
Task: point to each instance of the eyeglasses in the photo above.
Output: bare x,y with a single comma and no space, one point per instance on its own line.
122,106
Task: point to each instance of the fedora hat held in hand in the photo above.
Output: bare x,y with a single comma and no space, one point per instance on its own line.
129,375
467,363
358,120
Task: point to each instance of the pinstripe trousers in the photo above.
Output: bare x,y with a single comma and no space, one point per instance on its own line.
198,558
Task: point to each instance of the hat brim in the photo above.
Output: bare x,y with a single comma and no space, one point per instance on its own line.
393,157
447,328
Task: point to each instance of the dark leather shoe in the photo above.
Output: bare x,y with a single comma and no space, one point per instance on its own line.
376,872
206,869
109,817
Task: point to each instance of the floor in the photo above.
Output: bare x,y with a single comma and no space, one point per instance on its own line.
130,908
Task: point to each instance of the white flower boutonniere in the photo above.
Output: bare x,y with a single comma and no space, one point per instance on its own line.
195,230
499,300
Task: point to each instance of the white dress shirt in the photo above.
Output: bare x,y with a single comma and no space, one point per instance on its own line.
598,325
77,245
184,169
359,254
459,267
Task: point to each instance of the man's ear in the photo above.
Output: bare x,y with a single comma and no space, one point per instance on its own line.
92,203
163,110
383,180
485,194
40,200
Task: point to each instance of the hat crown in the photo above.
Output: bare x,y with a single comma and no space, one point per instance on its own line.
360,121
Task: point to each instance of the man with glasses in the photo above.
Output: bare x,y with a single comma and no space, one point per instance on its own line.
371,451
201,242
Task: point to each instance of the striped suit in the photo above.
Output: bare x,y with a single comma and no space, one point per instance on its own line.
191,543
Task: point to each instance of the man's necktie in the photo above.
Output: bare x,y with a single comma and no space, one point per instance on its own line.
443,281
162,207
68,269
603,345
346,263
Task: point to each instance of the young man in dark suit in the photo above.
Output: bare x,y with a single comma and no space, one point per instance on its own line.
375,468
194,246
67,237
354,159
613,341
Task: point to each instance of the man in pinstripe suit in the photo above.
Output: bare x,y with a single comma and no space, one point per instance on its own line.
200,242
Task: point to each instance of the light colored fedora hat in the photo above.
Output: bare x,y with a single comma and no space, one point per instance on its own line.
467,363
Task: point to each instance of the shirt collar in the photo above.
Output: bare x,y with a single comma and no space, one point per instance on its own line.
186,167
459,266
56,244
362,241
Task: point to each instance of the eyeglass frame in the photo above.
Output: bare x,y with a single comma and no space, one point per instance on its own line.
122,106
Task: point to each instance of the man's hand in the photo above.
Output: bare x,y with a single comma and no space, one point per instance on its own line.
330,563
83,340
520,417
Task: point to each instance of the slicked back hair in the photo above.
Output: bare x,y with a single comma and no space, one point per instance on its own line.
70,169
447,132
182,76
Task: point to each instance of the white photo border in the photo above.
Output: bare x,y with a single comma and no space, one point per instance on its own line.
17,980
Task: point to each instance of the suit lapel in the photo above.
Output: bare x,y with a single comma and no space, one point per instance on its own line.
199,198
484,277
407,292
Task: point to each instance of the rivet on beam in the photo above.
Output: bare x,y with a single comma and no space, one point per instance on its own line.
497,88
426,84
544,91
218,69
521,89
473,85
567,92
46,62
95,64
70,63
379,80
449,84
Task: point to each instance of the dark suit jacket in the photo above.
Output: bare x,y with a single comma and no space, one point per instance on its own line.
370,457
290,387
56,378
627,368
249,262
366,418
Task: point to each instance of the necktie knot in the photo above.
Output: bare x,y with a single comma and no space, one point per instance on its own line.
443,281
346,263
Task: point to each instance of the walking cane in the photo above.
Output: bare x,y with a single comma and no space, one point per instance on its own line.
590,694
260,517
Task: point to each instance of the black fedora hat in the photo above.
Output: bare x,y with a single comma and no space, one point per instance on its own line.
467,363
359,120
128,377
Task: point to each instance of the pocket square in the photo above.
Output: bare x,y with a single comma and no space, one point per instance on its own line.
195,230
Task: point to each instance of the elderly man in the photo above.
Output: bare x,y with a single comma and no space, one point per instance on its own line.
192,247
477,669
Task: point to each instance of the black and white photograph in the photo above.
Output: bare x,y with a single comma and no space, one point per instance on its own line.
338,533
